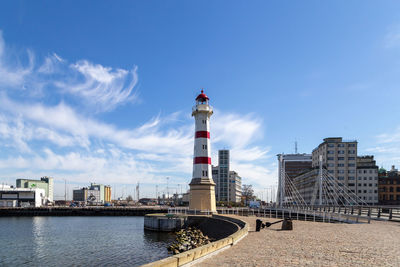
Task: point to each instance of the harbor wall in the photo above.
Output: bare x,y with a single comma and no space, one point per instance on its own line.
80,211
191,256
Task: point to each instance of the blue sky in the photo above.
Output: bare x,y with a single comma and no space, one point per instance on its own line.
103,91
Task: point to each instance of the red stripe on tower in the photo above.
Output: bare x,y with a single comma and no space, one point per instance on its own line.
203,134
202,160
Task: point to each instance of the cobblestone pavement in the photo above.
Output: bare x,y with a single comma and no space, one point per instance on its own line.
314,244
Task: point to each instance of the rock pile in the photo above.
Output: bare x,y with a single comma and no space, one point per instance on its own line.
186,239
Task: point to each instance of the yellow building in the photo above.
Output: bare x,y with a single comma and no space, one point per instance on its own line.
107,194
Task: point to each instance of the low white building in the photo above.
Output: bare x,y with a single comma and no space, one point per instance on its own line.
22,197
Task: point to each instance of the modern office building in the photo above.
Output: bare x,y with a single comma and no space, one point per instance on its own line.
389,187
294,164
339,157
22,197
228,183
235,187
306,184
46,183
367,180
355,177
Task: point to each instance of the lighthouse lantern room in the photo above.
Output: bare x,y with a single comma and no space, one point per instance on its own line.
202,186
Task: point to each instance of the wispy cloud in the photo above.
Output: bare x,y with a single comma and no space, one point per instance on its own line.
392,37
103,88
387,148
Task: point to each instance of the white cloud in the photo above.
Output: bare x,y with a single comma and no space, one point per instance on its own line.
103,88
12,73
164,150
236,130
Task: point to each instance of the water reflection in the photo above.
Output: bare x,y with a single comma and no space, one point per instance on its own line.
77,241
38,236
152,236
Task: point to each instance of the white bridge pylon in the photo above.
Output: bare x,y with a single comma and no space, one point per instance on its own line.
326,191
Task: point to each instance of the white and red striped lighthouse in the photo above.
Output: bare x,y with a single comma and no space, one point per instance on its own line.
202,186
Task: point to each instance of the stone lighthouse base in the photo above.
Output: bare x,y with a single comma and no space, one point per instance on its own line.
202,197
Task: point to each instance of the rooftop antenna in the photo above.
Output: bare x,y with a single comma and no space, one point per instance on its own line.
295,147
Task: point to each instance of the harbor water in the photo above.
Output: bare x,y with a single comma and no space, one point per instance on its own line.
79,241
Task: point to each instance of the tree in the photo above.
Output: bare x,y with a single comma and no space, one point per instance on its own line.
248,192
129,198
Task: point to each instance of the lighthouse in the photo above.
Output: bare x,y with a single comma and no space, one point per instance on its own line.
202,186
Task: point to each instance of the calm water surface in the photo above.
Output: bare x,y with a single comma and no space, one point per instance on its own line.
79,241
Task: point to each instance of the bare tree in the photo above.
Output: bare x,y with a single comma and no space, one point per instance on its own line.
129,198
248,192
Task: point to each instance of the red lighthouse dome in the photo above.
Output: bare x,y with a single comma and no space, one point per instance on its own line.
202,97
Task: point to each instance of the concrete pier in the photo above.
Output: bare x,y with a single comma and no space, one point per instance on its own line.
164,222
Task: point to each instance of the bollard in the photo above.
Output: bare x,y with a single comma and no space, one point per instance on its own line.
258,225
287,225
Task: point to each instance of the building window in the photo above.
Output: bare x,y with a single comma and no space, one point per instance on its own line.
330,171
331,145
341,152
352,151
331,152
341,178
352,165
340,165
330,158
352,145
340,171
352,171
340,145
391,189
331,165
340,158
398,189
351,158
351,178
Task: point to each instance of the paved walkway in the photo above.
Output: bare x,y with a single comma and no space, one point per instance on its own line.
314,244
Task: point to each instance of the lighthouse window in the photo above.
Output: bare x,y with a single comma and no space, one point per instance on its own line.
204,121
204,173
204,146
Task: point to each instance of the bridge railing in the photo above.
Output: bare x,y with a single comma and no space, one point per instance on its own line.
375,212
351,214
